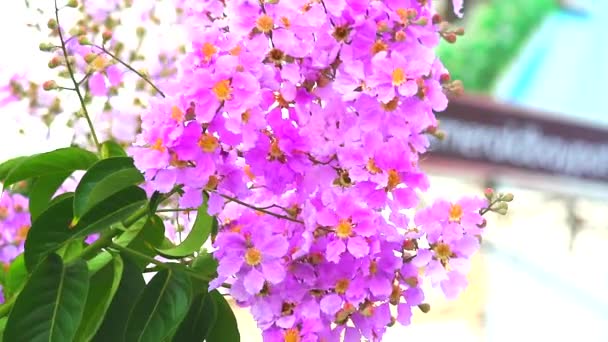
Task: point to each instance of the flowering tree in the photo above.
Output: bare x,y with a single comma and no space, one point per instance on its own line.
291,132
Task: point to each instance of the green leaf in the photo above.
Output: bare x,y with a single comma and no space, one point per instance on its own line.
197,237
72,249
225,328
199,320
2,327
43,190
62,160
53,228
102,180
150,236
51,304
101,292
8,166
112,149
205,264
115,322
16,277
160,308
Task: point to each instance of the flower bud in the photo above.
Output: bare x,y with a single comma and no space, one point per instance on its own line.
52,24
54,62
49,85
72,3
437,19
450,37
46,47
507,197
489,193
106,35
140,32
459,31
445,78
90,57
84,40
424,307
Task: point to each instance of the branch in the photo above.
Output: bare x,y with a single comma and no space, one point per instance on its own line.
76,85
130,68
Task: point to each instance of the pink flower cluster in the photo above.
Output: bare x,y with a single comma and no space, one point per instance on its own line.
304,122
14,225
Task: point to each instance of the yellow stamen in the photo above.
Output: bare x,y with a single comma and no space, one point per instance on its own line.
442,251
455,212
264,23
292,335
208,142
372,167
391,105
253,257
393,180
344,229
177,114
99,63
158,145
222,90
379,46
208,51
342,286
398,76
22,233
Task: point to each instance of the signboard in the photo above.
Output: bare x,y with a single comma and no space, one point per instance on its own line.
497,135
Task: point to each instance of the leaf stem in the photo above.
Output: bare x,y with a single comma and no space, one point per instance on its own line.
76,85
157,263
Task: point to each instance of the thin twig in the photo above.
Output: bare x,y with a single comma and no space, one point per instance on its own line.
126,65
262,210
76,86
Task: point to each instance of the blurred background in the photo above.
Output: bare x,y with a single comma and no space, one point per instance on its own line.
532,122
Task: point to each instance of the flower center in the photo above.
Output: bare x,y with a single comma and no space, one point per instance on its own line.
442,251
342,286
379,46
398,76
208,51
393,180
246,116
253,256
264,23
391,105
99,63
455,213
372,167
292,335
373,267
222,90
275,151
344,229
158,145
3,212
208,142
22,233
177,114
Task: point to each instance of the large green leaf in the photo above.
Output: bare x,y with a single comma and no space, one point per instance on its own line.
16,277
51,304
197,237
205,264
42,191
225,328
53,228
102,180
112,149
62,160
199,320
151,235
115,322
160,308
101,292
8,166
